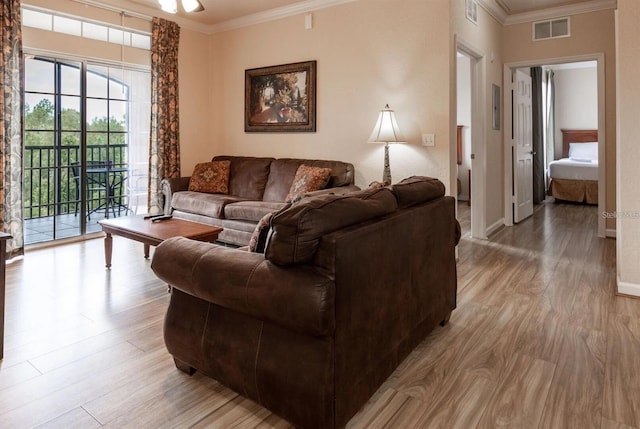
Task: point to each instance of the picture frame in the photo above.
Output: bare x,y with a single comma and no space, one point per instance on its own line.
471,10
281,98
495,104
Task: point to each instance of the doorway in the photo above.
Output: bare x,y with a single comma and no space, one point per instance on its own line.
593,118
86,141
469,167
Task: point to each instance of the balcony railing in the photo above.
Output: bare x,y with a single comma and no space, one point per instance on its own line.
52,179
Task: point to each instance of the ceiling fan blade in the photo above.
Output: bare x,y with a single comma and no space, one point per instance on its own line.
192,5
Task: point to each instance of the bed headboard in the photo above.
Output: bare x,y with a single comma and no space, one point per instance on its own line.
577,136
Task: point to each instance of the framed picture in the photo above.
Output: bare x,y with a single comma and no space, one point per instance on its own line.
280,98
471,8
495,104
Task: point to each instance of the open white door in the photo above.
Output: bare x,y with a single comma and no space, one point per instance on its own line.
523,149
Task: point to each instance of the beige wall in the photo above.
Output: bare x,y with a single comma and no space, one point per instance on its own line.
628,197
369,53
485,39
576,104
194,78
591,33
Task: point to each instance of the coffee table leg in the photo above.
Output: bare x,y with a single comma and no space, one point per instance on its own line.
108,248
146,250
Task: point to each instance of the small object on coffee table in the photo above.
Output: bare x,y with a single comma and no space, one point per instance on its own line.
150,233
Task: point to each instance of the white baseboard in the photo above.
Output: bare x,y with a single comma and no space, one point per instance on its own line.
610,233
495,226
631,289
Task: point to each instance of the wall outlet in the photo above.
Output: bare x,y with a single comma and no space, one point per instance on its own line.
428,140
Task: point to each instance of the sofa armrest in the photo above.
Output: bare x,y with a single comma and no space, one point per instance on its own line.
299,298
169,186
338,190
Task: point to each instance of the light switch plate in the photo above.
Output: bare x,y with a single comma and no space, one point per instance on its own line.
428,140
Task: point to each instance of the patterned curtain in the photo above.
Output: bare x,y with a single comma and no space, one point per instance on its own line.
11,112
164,147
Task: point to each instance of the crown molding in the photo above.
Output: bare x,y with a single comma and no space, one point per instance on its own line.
493,8
556,12
274,14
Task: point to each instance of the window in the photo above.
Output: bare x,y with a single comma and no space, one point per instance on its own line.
77,26
86,124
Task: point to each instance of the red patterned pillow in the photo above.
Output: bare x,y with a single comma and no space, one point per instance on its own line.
258,239
211,177
308,179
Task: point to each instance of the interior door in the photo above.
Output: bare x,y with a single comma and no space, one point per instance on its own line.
522,148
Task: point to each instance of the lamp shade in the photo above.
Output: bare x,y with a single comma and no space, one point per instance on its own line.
386,129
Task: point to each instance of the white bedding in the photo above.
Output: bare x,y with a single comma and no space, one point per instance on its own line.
566,168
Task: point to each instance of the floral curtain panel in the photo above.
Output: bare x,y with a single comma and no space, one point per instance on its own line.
11,112
164,151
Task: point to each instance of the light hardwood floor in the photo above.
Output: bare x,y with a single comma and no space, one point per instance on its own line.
539,340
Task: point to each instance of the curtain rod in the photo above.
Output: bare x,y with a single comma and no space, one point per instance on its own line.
115,9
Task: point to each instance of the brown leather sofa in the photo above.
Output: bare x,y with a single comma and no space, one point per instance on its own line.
347,287
257,186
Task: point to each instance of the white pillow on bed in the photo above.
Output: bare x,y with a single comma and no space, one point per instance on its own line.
583,151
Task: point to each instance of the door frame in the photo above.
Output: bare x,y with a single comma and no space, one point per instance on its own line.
508,70
478,139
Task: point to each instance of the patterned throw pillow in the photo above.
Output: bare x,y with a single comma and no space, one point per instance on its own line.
258,239
308,179
211,177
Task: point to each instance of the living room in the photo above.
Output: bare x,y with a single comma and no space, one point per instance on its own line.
369,53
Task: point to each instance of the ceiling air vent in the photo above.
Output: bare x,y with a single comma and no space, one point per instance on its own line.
551,29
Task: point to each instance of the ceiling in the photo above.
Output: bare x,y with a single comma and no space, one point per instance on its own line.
225,14
518,6
217,11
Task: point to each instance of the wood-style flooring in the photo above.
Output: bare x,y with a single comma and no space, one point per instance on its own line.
539,340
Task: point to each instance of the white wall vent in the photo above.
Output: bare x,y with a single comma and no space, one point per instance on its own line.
552,29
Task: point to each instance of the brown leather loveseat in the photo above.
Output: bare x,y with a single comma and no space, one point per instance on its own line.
347,286
257,186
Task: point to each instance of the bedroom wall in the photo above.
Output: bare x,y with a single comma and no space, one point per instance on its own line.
628,197
369,54
485,39
576,101
591,33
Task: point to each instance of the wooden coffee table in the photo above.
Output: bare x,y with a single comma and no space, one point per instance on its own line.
153,233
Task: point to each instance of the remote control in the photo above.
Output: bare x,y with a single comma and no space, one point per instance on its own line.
161,218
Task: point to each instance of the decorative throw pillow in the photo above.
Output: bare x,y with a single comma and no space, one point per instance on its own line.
258,239
211,177
308,179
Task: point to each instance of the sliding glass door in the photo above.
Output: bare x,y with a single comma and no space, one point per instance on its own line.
86,145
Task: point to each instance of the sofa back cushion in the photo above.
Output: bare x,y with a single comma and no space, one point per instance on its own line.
417,189
247,176
296,232
284,170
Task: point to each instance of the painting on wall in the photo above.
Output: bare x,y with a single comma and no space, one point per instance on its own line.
280,98
471,8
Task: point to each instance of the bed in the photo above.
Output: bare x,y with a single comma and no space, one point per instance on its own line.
575,176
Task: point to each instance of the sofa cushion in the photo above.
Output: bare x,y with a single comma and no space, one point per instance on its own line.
201,203
250,210
284,170
210,177
308,179
417,189
248,176
296,232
